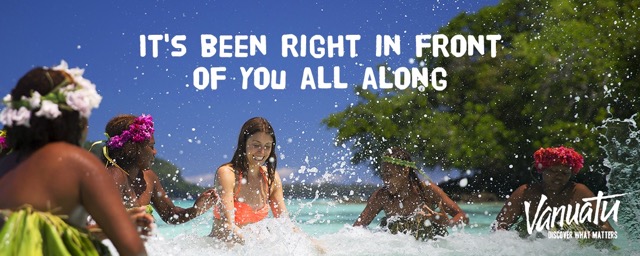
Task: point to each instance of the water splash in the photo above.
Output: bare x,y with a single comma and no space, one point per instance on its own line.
623,158
271,238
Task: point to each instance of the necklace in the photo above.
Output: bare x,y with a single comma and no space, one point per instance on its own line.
116,165
106,155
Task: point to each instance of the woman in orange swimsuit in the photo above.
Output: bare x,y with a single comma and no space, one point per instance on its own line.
248,185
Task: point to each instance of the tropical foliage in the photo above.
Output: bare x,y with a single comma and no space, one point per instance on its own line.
562,68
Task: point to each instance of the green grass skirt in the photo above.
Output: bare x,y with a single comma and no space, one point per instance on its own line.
418,226
28,232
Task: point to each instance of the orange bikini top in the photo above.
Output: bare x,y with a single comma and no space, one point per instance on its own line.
244,213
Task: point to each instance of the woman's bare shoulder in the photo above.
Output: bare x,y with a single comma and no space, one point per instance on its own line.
225,169
68,153
380,193
580,186
582,191
225,174
61,146
523,192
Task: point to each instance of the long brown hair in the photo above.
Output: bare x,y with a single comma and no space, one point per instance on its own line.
239,160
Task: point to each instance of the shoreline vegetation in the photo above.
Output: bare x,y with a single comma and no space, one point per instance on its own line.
178,188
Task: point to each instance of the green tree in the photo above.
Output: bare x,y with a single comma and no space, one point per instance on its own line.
562,68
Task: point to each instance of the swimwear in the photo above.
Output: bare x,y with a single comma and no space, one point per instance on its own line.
244,213
416,226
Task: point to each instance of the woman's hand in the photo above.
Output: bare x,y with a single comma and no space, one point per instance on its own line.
206,200
232,234
143,220
438,218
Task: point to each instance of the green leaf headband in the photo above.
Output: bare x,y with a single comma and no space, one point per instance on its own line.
400,162
405,163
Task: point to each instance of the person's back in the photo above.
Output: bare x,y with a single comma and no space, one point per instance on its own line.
49,179
48,176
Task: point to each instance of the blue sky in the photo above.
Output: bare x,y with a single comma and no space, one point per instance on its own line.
197,129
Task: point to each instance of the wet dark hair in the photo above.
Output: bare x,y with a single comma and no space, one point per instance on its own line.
239,160
68,127
414,180
127,155
400,153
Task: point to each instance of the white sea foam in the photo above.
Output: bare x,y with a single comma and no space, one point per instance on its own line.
275,237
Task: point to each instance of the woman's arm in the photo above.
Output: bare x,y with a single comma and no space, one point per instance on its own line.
226,182
168,211
371,210
448,206
101,199
581,192
276,198
512,209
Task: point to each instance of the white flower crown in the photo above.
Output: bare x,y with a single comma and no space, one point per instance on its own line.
82,97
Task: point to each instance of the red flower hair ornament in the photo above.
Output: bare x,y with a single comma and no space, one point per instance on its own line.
547,157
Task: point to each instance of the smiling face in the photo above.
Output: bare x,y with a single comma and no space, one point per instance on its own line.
556,177
259,146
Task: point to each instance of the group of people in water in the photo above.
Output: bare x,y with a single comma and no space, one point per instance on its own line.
46,119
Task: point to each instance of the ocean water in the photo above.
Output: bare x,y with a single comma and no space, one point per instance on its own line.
323,227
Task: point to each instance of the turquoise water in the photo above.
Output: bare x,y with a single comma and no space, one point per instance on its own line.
321,217
325,217
326,224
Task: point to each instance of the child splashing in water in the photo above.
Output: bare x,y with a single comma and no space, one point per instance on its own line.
410,204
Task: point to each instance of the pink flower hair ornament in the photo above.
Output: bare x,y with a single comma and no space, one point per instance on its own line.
3,140
140,130
547,157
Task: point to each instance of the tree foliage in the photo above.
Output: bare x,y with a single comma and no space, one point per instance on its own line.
562,68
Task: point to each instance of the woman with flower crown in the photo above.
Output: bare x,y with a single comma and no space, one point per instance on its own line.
48,184
557,166
129,153
411,206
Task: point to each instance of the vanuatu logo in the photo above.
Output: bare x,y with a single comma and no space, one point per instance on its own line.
554,218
